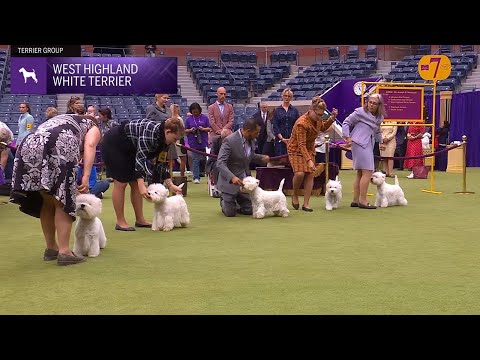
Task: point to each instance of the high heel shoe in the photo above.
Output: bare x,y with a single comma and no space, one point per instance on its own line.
295,206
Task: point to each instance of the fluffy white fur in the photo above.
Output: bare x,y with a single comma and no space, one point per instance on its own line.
89,234
426,140
169,211
265,202
387,194
333,194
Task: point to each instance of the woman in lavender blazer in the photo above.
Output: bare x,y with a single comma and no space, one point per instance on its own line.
360,130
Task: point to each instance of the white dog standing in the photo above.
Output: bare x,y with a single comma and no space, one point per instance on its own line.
387,194
169,211
426,141
333,194
263,201
89,234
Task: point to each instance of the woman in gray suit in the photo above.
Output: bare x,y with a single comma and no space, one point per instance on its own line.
360,130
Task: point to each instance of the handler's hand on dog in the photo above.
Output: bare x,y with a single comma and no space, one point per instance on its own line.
83,187
236,181
143,191
176,190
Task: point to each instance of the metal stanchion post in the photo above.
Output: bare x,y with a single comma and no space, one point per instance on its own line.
327,146
464,148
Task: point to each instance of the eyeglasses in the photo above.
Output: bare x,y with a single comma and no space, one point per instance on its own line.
373,103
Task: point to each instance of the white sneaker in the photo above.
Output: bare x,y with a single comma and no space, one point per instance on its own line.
196,181
410,176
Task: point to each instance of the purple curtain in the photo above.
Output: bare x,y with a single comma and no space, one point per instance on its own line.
465,120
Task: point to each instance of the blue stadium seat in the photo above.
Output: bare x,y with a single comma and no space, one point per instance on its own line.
353,52
424,49
445,49
371,51
334,53
466,48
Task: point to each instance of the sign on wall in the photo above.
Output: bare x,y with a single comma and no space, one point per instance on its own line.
402,103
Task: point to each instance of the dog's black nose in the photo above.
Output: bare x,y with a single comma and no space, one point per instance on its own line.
82,206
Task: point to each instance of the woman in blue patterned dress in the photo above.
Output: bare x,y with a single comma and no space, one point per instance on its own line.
44,178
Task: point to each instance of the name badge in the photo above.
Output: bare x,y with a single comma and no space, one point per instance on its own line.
162,157
29,126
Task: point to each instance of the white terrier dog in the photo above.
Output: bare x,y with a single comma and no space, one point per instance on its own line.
27,74
169,211
264,202
426,141
89,234
333,194
387,194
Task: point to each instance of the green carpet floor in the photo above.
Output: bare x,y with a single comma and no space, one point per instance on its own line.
418,259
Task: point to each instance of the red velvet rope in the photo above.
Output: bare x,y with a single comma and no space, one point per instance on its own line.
342,148
451,147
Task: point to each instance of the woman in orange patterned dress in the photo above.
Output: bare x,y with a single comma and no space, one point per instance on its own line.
301,149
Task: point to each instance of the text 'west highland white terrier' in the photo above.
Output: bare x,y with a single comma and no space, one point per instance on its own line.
387,194
265,202
333,194
169,211
89,234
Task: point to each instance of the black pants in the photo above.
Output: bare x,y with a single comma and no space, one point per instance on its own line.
399,152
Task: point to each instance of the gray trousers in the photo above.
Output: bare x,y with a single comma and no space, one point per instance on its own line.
230,203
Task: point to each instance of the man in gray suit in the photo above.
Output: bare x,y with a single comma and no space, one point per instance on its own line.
234,157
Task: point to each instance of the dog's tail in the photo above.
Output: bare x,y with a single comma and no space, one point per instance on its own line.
280,187
396,180
33,70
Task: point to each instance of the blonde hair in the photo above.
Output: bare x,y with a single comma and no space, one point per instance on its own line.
51,112
5,136
287,91
158,96
174,124
71,103
175,110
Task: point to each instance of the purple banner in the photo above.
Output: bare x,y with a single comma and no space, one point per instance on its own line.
402,104
94,75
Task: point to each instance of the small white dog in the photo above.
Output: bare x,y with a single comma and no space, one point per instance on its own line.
264,202
27,74
169,211
89,234
387,194
333,194
426,141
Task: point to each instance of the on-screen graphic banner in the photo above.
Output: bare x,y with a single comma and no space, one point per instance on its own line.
94,75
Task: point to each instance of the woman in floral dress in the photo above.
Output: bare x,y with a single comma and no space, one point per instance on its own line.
44,178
